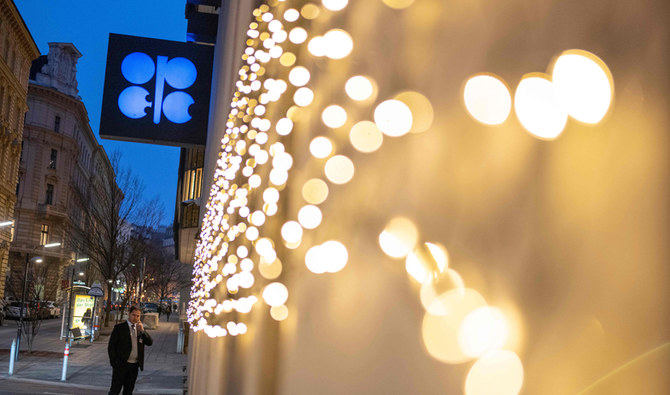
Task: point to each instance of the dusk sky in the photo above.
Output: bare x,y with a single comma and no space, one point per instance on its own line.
87,25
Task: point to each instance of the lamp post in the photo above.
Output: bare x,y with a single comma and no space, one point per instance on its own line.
36,259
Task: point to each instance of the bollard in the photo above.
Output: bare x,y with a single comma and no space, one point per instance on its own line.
180,341
11,357
66,354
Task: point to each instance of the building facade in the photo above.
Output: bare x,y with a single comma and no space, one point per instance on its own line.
17,51
61,159
400,242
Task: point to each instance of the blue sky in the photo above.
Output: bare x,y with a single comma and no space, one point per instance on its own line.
87,25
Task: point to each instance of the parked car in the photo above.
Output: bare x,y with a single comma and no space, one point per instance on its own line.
54,310
149,307
13,310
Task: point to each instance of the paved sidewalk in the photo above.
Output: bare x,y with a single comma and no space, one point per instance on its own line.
88,364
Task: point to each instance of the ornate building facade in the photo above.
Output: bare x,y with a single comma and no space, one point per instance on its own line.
17,50
60,157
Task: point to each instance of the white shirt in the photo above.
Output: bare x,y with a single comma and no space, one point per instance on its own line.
133,341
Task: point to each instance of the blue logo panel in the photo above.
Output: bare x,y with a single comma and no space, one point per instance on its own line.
156,91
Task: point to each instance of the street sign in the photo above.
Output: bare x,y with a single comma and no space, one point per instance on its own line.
96,290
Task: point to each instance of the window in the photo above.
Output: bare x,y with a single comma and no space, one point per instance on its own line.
44,234
54,157
50,194
57,124
192,184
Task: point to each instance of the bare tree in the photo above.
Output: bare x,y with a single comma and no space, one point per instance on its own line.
104,231
34,285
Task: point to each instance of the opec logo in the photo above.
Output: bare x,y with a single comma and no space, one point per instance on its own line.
139,68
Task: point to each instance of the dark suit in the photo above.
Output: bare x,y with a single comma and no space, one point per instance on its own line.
124,374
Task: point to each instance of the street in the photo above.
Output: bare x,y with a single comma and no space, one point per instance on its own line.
88,371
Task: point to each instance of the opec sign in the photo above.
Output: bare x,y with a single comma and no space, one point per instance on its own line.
156,91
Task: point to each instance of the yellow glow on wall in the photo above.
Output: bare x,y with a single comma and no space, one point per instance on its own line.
487,99
321,147
399,237
393,118
537,108
334,116
499,372
359,88
366,137
309,216
483,330
440,332
398,4
339,169
583,84
275,294
315,191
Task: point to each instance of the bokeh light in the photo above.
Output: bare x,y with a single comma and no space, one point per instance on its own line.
583,84
359,88
426,262
329,257
310,11
335,5
321,147
438,285
338,44
299,76
291,232
309,216
499,372
483,330
398,4
275,294
393,118
366,137
315,191
270,270
399,237
339,169
421,108
440,332
537,108
334,116
284,126
279,313
297,35
487,99
303,97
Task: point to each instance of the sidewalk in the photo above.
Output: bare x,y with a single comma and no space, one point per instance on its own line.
88,364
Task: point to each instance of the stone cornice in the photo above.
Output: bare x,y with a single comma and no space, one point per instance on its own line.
19,26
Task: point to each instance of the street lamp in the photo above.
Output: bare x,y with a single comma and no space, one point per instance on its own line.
36,259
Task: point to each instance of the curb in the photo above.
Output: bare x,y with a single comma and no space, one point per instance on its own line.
166,391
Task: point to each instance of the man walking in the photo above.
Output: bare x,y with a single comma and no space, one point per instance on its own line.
126,352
